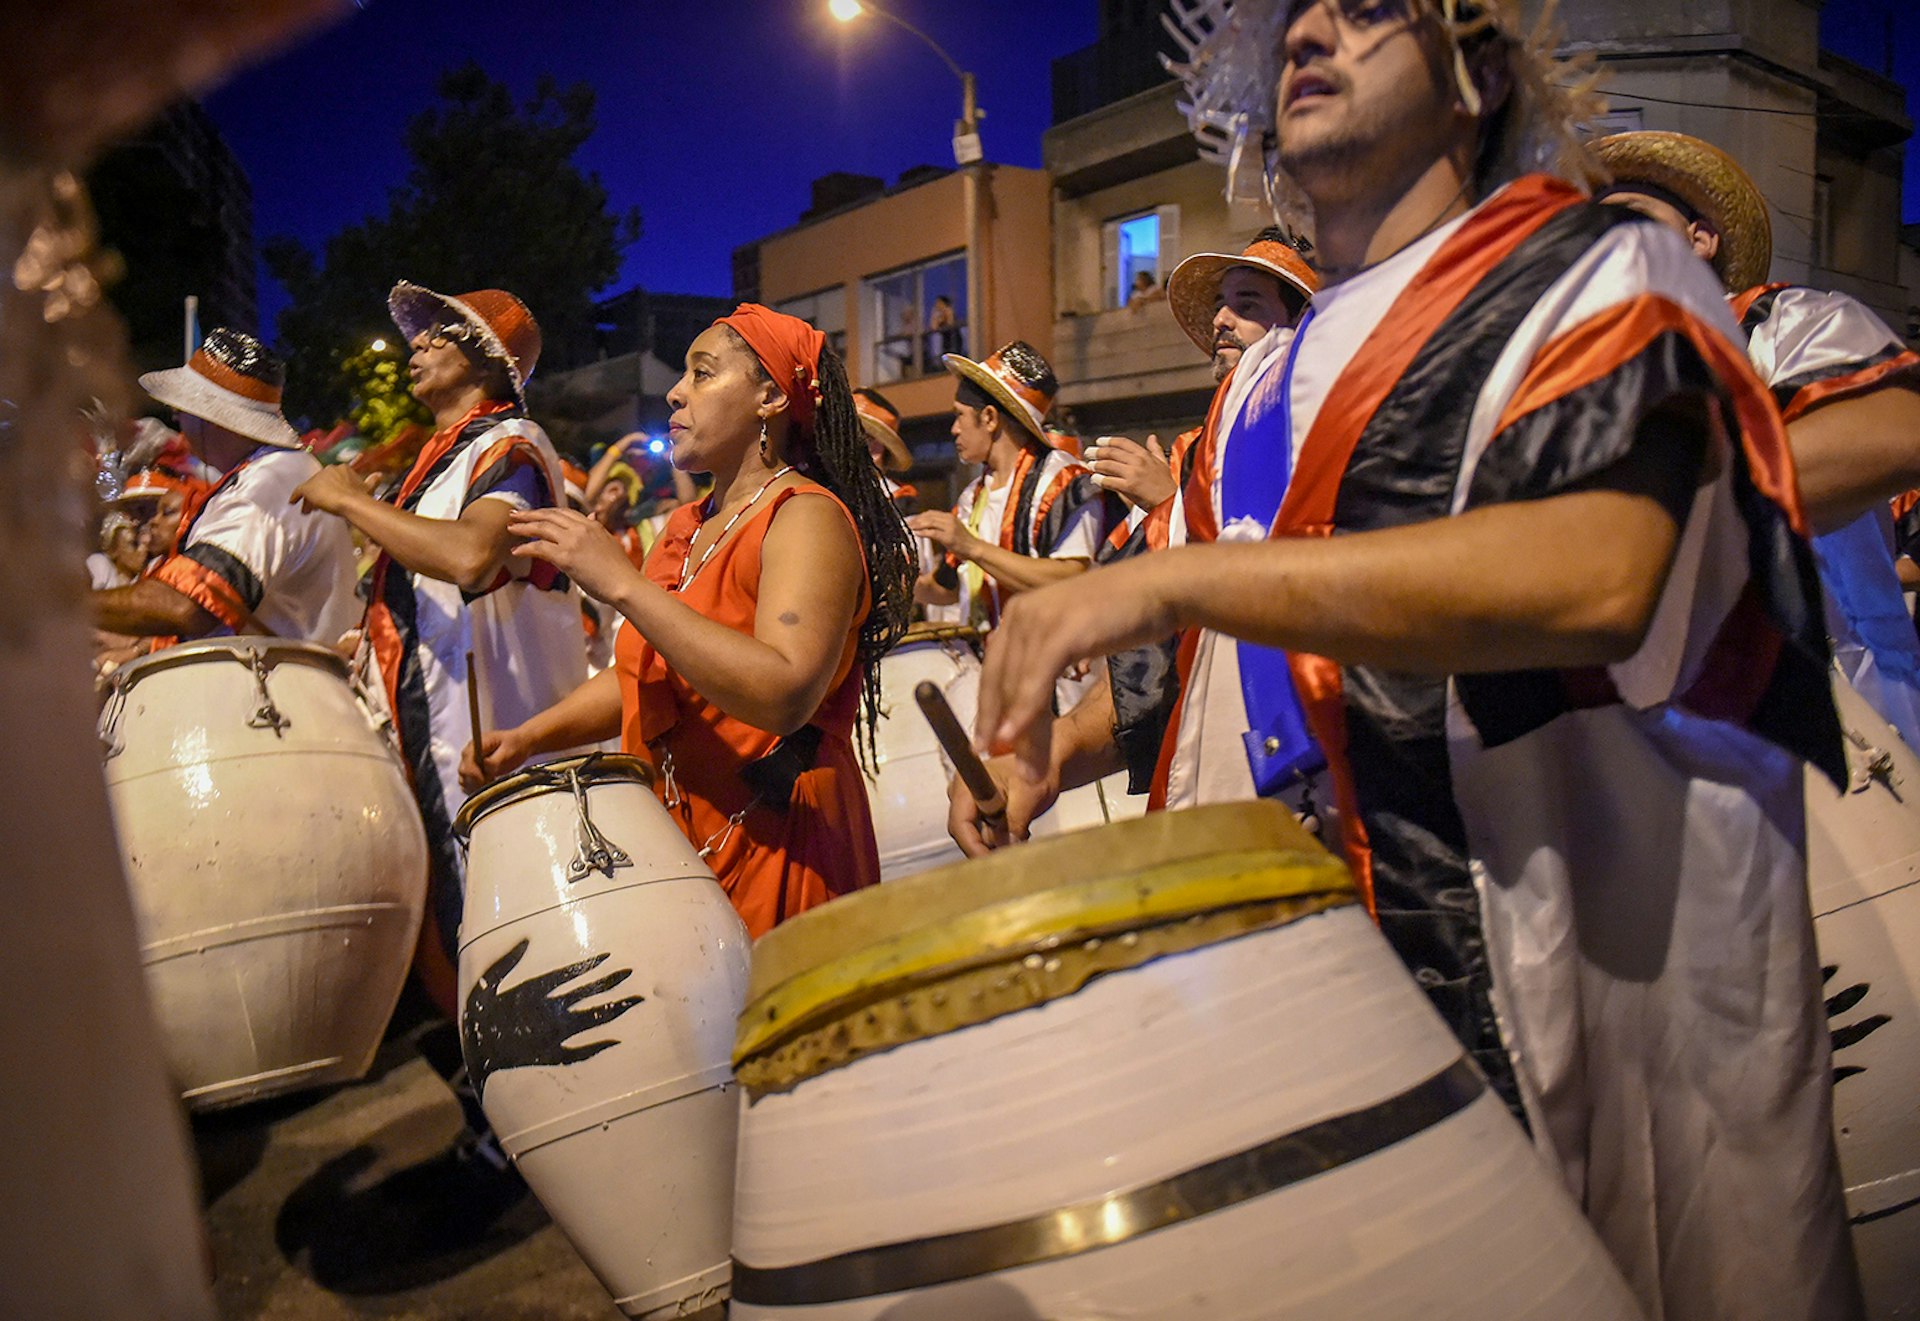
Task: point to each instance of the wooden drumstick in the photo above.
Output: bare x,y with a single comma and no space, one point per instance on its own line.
473,716
973,772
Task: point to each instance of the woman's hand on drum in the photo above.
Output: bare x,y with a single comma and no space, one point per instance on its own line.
1027,798
502,750
577,546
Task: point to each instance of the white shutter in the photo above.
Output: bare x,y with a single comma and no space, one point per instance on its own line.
1169,239
1113,295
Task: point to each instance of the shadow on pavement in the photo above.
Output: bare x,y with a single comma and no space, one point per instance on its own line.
356,1232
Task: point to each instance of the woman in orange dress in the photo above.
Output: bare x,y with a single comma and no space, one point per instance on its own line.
747,659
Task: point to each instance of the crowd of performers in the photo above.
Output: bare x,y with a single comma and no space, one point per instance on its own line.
1515,547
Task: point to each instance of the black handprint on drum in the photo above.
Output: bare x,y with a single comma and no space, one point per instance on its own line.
1849,1034
532,1023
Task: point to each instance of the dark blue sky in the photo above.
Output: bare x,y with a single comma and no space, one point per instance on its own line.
714,114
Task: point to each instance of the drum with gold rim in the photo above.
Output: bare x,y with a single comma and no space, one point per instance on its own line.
276,860
1167,1068
601,969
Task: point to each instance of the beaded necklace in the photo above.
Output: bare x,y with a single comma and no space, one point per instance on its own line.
690,568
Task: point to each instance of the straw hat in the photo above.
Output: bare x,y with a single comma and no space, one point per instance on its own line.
1017,378
145,485
1193,290
502,327
1712,185
231,381
882,423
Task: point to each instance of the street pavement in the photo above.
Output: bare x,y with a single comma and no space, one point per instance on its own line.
351,1203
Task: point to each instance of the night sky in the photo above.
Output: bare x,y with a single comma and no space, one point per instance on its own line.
714,115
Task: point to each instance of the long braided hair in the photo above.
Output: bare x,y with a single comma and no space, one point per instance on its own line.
834,453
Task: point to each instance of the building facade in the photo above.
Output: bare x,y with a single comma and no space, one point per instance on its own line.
641,346
1822,136
176,203
884,274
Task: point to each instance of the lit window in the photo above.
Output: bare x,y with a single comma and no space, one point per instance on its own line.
1139,251
915,315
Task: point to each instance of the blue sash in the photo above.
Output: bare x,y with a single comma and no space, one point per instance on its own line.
1253,482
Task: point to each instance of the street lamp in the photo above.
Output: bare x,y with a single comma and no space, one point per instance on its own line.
966,154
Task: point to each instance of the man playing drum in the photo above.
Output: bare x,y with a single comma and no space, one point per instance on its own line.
1241,309
445,587
1540,571
1033,516
1848,388
242,560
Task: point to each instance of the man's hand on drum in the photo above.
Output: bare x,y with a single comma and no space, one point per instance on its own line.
943,528
1044,631
1027,798
503,750
333,489
1137,473
576,545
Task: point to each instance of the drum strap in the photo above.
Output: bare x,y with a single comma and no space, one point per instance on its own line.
1069,1231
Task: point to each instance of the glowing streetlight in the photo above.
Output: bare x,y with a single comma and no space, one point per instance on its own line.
967,155
378,346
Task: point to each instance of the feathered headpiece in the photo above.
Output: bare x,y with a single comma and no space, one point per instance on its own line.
1233,51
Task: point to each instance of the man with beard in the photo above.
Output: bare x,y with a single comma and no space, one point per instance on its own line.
1240,308
1537,569
1227,303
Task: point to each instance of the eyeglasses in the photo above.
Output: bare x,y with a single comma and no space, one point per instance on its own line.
450,333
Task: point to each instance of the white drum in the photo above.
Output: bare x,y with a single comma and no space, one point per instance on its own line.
276,860
1863,869
909,795
601,969
1165,1069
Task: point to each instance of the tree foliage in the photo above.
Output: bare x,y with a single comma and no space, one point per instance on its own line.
382,403
493,199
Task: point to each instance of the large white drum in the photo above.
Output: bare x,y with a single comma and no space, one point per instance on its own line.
601,969
1165,1069
1863,868
909,795
276,859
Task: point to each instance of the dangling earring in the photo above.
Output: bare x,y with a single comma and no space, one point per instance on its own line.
766,454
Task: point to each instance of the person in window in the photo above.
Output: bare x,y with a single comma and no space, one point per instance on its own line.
750,652
943,329
1146,291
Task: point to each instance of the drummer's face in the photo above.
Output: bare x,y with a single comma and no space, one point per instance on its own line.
972,435
718,404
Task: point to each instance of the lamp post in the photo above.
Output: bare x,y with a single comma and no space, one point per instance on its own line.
967,155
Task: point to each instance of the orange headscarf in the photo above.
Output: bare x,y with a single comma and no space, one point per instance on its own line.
789,349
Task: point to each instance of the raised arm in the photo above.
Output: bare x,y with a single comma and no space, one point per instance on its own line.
1856,453
468,551
774,678
1568,580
